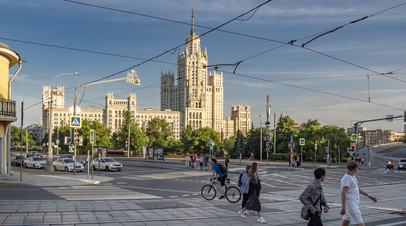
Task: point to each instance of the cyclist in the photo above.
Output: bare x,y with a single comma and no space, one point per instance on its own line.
221,177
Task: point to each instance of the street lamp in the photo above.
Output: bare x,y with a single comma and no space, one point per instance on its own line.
131,78
49,158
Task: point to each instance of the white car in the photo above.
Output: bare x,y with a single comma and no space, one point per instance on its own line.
35,162
67,165
106,164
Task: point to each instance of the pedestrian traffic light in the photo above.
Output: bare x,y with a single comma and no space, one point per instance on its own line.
71,147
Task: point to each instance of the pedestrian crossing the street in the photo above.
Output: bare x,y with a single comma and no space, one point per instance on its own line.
97,192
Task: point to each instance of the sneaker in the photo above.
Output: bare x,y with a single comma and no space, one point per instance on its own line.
261,220
222,197
246,212
241,213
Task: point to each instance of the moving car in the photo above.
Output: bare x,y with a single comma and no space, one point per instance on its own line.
34,162
106,164
17,160
66,164
402,164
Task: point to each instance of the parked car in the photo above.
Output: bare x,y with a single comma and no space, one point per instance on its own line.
34,162
65,156
17,160
67,165
106,164
32,153
402,164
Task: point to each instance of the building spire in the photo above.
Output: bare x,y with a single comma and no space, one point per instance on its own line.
192,31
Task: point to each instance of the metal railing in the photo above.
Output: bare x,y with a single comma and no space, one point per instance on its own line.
7,107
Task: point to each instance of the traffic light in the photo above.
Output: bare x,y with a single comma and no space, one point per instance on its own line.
71,147
352,146
76,137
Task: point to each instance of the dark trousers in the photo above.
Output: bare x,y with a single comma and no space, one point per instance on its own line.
315,220
244,199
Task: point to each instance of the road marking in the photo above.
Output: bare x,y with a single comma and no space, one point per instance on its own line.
97,193
396,223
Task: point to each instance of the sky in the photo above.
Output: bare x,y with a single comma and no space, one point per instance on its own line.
356,73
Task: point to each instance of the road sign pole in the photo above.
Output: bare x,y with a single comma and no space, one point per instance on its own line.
301,153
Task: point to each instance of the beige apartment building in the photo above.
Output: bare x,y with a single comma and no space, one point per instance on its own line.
240,120
379,136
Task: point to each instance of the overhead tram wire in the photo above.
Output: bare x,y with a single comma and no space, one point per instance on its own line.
352,22
180,45
312,90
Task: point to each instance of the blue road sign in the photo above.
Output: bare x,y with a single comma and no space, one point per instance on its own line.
211,142
75,121
291,139
302,141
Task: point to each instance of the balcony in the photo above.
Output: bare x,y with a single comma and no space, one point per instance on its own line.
7,108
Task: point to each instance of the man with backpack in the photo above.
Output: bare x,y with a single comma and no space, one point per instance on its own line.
221,171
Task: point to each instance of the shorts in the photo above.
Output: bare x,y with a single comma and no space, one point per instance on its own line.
353,214
201,164
222,180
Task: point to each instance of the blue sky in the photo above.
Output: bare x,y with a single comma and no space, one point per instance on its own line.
303,84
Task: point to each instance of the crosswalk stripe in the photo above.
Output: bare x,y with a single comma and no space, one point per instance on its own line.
97,193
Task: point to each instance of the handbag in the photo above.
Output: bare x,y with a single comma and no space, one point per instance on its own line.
305,213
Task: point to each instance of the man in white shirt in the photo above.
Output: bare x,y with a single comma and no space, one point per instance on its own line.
350,196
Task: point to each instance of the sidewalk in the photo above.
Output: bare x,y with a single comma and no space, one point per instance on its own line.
278,208
49,179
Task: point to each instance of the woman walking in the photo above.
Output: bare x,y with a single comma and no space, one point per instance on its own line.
253,193
244,179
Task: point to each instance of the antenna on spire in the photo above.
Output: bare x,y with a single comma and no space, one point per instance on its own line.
192,31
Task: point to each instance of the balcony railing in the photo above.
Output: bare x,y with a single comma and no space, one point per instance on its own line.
7,108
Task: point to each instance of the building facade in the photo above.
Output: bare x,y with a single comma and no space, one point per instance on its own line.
240,120
8,58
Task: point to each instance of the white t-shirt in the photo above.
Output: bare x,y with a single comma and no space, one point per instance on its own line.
353,192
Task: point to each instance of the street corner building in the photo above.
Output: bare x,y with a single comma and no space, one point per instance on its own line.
8,58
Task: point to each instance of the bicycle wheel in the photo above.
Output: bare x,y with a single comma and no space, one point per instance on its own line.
208,192
233,194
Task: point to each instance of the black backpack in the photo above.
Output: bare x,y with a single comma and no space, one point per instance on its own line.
239,180
223,169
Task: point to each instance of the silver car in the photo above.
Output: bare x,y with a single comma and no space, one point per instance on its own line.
67,165
34,162
106,164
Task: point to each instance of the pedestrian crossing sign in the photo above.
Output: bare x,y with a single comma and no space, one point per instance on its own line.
354,137
75,121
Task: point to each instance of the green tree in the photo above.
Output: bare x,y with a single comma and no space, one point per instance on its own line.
102,135
284,131
229,145
197,141
137,137
311,131
252,143
16,137
158,133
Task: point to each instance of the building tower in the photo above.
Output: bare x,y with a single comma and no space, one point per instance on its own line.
200,102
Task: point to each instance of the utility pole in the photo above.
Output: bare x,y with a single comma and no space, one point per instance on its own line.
267,123
274,133
260,139
128,147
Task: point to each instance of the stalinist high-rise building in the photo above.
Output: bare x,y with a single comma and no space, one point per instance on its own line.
198,98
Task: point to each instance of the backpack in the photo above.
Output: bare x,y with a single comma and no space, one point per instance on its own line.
239,180
223,169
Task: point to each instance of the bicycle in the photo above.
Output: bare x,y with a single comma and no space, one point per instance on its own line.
233,193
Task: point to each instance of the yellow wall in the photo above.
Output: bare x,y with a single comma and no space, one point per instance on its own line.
4,64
